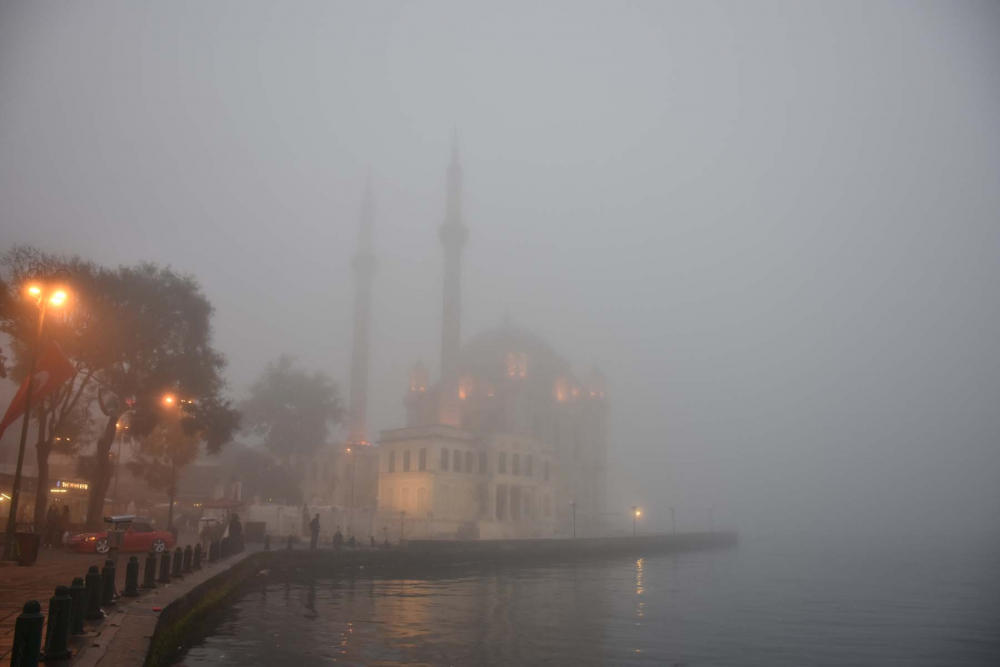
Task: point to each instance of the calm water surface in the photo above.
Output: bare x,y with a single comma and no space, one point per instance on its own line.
765,603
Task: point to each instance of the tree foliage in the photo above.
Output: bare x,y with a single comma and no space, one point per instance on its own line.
139,331
292,409
262,476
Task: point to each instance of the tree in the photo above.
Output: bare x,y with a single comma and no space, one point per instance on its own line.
158,342
261,476
64,414
292,409
161,455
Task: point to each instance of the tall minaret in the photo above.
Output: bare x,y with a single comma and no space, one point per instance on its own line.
364,270
453,235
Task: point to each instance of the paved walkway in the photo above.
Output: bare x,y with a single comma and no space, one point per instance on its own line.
55,567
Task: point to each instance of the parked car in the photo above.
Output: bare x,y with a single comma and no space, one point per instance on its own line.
140,536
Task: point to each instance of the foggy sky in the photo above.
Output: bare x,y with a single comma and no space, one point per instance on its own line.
774,226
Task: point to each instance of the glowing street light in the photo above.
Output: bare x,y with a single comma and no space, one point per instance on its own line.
44,295
636,513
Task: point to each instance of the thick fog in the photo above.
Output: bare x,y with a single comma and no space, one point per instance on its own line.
774,226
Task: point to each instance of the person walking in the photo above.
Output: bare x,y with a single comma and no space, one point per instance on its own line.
314,531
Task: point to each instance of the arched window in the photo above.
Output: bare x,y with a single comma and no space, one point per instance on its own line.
469,461
392,461
406,460
528,465
404,499
502,463
545,470
482,463
422,459
515,464
457,467
444,458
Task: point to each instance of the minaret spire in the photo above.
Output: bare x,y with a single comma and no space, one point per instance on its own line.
453,234
364,271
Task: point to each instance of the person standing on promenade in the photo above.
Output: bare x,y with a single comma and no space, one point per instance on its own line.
338,539
314,531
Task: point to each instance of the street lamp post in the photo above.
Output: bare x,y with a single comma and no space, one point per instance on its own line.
636,513
172,401
56,297
354,459
572,505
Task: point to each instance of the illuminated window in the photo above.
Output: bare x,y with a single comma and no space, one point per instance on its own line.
392,461
528,465
515,464
502,463
469,461
422,459
444,458
406,460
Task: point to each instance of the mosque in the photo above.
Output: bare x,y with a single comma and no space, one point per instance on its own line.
506,442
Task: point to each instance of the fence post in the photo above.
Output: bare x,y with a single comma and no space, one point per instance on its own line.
164,567
149,574
178,563
108,583
213,551
27,636
197,557
132,578
78,592
94,594
57,630
188,558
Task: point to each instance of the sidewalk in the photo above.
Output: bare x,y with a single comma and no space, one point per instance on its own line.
55,567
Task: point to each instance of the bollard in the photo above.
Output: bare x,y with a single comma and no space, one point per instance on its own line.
289,542
94,594
57,629
132,578
188,558
178,562
27,636
267,543
164,568
78,593
213,551
149,574
197,557
108,583
226,548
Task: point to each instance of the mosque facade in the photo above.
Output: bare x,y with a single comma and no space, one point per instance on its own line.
506,442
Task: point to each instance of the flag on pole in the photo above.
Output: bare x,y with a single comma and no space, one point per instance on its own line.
51,370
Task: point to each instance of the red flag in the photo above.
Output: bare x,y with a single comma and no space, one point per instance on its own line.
52,369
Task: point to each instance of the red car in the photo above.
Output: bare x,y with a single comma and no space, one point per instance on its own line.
140,536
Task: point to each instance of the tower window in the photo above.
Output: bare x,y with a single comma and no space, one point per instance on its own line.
457,461
469,462
545,470
392,461
406,460
482,463
422,459
444,458
528,465
502,463
515,464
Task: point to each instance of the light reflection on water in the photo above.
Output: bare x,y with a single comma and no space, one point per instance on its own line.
751,606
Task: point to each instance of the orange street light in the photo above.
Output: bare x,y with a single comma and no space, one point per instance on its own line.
57,298
168,400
